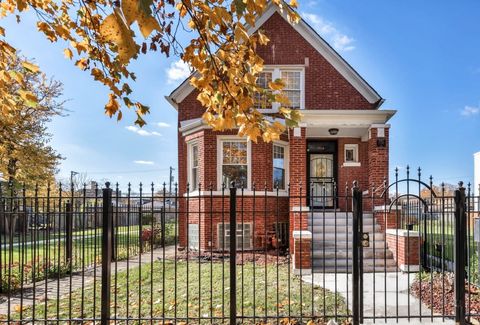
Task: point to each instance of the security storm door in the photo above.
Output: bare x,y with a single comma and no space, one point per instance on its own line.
322,173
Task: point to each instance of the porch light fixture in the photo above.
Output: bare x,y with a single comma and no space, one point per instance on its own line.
333,131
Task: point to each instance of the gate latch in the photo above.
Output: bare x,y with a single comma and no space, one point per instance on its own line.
365,239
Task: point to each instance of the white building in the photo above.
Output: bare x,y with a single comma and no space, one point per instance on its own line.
476,172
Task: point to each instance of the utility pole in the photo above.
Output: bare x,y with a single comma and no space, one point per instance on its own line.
72,174
171,180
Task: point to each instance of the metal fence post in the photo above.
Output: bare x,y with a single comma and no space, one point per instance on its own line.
69,232
460,239
356,247
233,253
107,223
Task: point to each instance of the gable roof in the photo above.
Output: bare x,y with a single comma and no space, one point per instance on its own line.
317,42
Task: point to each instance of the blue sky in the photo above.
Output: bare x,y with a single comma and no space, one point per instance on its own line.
423,57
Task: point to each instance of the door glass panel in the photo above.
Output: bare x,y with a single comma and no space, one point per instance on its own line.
322,177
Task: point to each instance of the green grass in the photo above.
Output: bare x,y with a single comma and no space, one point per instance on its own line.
196,296
39,259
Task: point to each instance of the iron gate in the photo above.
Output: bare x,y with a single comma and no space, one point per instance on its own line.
399,251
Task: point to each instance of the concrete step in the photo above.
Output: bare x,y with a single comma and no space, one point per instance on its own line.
343,244
338,215
345,229
339,222
316,236
367,253
320,262
344,269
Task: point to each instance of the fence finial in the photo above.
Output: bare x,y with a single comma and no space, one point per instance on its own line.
232,184
107,184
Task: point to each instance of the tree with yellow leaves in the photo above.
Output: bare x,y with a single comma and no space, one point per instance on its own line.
101,38
25,153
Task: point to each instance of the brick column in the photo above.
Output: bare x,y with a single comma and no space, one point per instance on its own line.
298,181
378,155
405,246
302,257
387,218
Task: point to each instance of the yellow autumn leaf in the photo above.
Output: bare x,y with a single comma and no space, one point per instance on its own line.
30,66
112,106
113,29
27,95
147,25
2,31
68,53
132,12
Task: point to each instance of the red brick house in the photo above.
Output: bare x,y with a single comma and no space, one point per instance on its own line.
343,136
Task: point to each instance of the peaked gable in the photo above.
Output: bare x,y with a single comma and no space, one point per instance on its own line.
331,83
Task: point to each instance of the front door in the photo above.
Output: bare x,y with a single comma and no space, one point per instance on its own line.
322,172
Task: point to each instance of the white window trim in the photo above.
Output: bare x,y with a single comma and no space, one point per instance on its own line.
220,140
286,162
276,71
356,162
227,225
190,145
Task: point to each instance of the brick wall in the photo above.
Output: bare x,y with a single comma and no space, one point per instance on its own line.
262,212
405,247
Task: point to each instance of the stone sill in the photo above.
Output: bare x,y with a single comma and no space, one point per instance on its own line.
302,234
351,164
402,233
384,208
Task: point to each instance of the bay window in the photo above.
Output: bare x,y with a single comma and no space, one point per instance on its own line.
193,172
234,158
279,167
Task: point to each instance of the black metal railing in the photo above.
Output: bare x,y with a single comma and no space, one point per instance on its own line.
237,255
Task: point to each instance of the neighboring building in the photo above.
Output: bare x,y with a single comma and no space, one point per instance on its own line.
476,173
343,136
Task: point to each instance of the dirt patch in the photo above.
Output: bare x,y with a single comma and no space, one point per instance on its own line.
259,257
437,291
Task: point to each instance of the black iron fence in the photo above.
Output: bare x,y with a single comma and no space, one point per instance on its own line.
407,250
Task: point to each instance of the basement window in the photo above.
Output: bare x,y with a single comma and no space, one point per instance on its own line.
244,236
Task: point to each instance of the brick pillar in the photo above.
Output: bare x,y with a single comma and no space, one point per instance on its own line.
298,181
302,257
378,155
388,218
405,246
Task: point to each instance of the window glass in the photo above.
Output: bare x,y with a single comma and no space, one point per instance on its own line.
292,80
235,163
279,167
261,99
244,236
194,167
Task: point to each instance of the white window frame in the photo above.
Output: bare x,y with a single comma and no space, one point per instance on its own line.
277,74
230,138
190,146
356,162
286,162
226,226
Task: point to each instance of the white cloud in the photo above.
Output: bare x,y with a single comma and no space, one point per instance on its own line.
177,71
339,40
142,132
163,125
470,111
143,162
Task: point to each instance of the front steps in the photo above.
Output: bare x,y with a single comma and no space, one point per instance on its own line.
332,244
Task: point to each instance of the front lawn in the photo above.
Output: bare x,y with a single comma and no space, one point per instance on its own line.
200,291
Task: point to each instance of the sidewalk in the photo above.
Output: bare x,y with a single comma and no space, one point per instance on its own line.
382,299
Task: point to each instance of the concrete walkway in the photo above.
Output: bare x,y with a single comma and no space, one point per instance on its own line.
382,291
61,288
